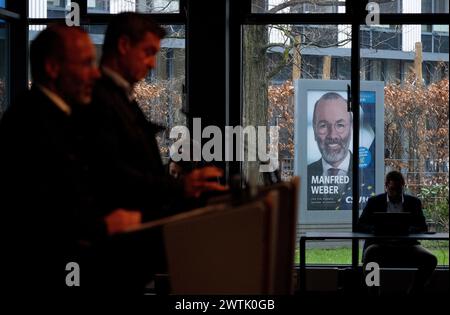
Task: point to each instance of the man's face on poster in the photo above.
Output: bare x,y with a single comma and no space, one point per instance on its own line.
332,129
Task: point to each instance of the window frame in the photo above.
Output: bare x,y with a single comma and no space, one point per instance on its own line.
104,18
228,16
12,17
354,15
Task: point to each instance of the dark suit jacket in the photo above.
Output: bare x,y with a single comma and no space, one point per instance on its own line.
126,165
379,204
316,169
43,203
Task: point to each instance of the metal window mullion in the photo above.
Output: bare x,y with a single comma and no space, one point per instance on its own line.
355,92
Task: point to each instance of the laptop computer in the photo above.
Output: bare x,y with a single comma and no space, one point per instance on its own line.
392,223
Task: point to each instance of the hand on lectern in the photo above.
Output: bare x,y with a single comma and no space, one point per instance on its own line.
202,180
122,219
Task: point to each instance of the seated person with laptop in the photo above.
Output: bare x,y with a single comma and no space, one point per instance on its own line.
396,213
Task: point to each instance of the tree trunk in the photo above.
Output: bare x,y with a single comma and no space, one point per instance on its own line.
255,93
326,75
297,64
418,59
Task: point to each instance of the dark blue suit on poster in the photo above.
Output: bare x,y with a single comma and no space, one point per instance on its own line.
342,200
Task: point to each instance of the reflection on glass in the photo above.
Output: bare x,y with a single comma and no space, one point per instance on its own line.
308,6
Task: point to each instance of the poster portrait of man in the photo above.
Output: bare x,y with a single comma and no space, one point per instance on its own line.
330,158
329,177
324,156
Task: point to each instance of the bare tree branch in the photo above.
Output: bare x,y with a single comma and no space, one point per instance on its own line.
290,3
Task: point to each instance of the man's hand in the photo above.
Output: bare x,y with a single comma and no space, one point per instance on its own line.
199,181
121,219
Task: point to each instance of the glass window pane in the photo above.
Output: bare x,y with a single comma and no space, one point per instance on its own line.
287,6
441,6
328,253
144,6
4,67
435,6
47,8
160,95
2,3
392,6
286,69
427,6
56,8
413,6
414,99
381,37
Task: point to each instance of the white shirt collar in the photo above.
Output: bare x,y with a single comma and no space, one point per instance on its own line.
388,201
56,99
119,80
343,166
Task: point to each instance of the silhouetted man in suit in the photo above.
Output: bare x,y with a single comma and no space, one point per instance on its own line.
127,167
42,172
397,253
332,125
125,161
50,218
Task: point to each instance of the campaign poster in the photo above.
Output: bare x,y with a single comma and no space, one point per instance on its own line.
330,146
